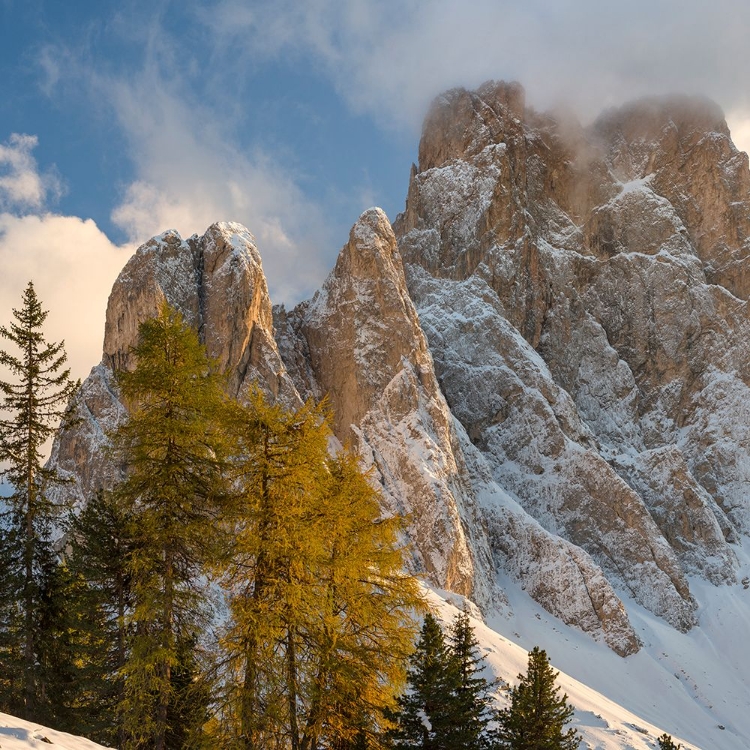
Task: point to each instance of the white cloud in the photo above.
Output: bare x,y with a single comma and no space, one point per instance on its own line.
71,261
73,266
22,186
191,173
389,58
739,126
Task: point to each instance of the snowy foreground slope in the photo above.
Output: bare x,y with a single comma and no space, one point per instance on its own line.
17,734
690,685
644,682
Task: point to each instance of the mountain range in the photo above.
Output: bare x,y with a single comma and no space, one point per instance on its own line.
544,360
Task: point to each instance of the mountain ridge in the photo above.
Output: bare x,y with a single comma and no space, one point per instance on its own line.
540,359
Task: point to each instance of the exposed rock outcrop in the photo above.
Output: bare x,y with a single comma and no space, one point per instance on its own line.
543,365
216,281
369,354
583,293
530,432
370,357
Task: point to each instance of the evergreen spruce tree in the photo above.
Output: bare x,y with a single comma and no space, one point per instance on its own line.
11,620
100,600
667,743
423,717
537,715
59,649
447,703
172,447
190,711
33,403
470,712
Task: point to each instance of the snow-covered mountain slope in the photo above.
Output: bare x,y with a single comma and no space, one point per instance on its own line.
584,298
17,734
679,683
544,361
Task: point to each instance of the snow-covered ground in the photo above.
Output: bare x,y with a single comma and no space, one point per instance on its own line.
694,686
17,734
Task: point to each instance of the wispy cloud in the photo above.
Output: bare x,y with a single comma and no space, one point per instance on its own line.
192,172
22,185
389,58
183,130
71,262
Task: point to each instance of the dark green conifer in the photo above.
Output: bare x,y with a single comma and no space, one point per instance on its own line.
423,717
190,710
100,599
537,715
447,703
667,743
60,649
33,403
11,620
470,712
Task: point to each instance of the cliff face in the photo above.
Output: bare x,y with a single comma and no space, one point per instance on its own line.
583,293
544,364
370,356
216,281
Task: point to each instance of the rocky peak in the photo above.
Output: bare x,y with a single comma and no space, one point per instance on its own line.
366,302
368,355
166,264
682,147
216,281
368,352
616,254
652,122
459,122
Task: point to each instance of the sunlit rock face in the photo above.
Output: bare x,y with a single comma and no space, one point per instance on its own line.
583,293
368,353
370,357
216,281
542,362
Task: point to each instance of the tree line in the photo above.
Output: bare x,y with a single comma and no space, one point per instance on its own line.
238,588
449,704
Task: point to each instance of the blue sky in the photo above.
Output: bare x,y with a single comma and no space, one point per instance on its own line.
119,120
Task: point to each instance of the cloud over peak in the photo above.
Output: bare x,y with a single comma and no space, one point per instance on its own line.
389,58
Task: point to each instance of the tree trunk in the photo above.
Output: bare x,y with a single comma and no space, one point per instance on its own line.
248,707
28,592
291,677
165,669
28,588
250,727
121,652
